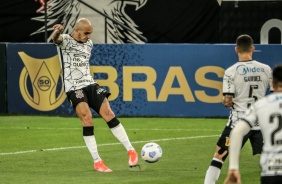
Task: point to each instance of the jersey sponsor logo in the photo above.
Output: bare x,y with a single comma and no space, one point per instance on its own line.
275,168
81,81
78,56
79,93
275,164
275,98
80,64
252,78
243,70
39,82
76,59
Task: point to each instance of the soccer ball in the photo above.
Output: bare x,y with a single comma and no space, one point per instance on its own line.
151,152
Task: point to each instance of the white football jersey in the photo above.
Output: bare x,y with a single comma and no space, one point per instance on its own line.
268,113
247,82
74,57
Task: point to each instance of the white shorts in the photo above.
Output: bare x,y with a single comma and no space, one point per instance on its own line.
235,116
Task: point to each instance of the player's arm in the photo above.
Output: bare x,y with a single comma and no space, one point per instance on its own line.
228,89
236,138
56,35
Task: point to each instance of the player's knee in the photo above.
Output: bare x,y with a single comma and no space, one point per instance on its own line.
106,112
108,115
86,119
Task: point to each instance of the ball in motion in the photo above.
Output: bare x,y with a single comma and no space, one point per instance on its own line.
151,152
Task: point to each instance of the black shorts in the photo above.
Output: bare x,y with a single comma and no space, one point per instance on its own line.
271,179
254,136
93,95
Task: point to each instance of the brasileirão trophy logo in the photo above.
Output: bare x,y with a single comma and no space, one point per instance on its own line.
44,76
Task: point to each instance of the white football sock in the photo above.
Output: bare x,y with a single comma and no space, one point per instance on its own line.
121,135
212,173
91,144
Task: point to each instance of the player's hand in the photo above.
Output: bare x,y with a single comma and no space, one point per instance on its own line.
227,101
58,28
233,177
56,35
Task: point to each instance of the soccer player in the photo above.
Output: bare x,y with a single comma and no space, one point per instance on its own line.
84,93
243,83
268,113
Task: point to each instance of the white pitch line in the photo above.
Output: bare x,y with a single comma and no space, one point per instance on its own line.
37,128
155,129
107,144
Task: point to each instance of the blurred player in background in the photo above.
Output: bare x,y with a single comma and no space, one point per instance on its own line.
243,83
268,113
84,93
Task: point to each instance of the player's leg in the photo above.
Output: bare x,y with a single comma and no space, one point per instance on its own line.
214,169
256,140
85,115
114,124
219,157
99,102
78,100
118,131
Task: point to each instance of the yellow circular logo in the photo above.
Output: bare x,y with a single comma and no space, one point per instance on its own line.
44,83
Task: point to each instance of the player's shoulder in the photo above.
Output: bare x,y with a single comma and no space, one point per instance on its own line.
65,35
90,42
274,97
261,65
233,68
66,38
268,100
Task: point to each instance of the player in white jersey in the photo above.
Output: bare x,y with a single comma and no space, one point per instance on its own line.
243,83
74,57
84,93
268,113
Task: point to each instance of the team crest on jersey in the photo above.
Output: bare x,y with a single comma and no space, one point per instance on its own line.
227,141
79,94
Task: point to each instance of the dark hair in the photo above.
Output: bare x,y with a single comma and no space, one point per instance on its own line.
277,74
244,43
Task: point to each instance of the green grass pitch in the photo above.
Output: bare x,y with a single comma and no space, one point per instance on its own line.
50,150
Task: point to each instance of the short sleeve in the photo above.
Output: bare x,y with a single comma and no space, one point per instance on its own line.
64,42
228,86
